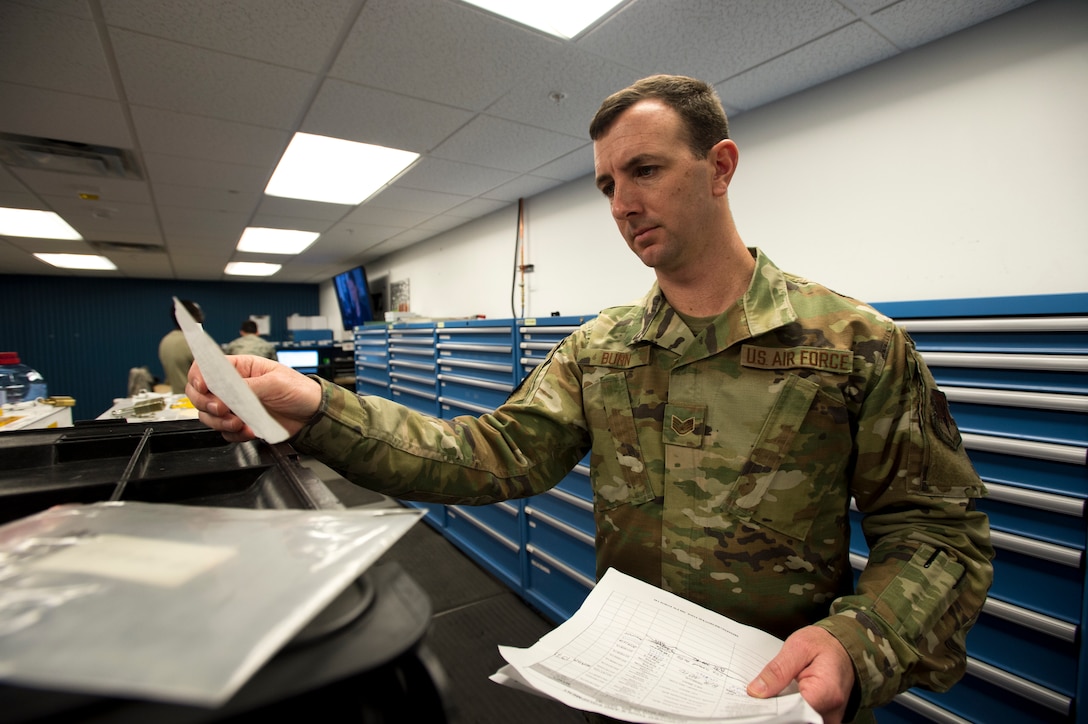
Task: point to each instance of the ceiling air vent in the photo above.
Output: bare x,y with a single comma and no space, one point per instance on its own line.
127,246
48,154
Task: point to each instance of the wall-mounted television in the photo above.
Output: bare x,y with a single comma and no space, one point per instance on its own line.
353,294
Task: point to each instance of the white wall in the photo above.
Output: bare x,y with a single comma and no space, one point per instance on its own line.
956,170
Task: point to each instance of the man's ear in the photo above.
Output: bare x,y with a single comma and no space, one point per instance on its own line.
723,155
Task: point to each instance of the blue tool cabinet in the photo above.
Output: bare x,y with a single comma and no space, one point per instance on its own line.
413,382
475,361
372,360
476,371
560,532
413,375
1015,371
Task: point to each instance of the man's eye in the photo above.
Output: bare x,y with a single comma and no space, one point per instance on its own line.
608,190
643,171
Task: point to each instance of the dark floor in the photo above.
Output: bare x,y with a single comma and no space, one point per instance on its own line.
473,614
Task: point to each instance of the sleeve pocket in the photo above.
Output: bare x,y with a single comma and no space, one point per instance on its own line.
922,592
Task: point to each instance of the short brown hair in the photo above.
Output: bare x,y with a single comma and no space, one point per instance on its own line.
696,102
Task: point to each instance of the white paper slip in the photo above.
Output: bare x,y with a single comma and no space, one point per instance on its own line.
224,380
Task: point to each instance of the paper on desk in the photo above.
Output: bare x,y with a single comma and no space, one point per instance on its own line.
225,381
638,653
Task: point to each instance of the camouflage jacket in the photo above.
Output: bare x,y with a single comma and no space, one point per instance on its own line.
723,467
252,344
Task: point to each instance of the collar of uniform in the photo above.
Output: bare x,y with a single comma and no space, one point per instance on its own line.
764,306
660,323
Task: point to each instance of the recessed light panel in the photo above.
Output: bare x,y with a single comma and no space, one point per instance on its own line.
78,261
35,224
275,241
251,269
319,168
561,18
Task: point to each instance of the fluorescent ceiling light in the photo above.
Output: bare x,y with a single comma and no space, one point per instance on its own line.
275,241
36,224
251,269
319,168
561,18
77,261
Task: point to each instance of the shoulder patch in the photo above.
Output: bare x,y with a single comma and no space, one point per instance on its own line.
941,419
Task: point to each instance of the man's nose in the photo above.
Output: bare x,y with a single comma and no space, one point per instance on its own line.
624,201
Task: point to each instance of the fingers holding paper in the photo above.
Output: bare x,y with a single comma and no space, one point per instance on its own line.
289,397
821,666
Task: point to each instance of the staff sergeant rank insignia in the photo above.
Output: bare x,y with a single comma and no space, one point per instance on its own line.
840,361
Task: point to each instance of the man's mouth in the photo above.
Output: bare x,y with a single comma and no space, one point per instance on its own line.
638,234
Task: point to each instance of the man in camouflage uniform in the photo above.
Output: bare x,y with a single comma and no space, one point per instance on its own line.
250,342
731,416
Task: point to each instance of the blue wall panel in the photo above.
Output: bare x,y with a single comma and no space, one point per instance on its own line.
85,333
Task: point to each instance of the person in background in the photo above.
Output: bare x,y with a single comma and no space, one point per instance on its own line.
174,353
249,342
732,416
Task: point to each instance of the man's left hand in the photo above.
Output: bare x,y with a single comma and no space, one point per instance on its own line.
821,666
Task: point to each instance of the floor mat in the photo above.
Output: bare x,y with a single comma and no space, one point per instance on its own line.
466,643
450,578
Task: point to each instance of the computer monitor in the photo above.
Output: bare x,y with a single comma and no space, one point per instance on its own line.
303,360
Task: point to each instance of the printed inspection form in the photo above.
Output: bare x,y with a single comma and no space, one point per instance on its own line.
638,653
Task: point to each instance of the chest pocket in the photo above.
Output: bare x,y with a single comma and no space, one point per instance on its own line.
802,447
621,468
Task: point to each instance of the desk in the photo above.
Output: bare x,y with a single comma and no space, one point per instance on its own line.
33,416
173,407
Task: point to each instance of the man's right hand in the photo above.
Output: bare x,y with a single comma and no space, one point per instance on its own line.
290,397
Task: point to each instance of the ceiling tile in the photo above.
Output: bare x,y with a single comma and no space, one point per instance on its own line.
369,115
205,198
52,50
209,139
384,216
292,33
45,113
475,208
911,23
521,187
825,58
564,91
179,223
353,237
430,202
439,50
742,34
70,185
143,265
574,165
176,77
106,220
435,174
316,213
501,144
188,171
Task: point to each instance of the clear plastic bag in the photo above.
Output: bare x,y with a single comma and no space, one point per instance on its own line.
171,602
